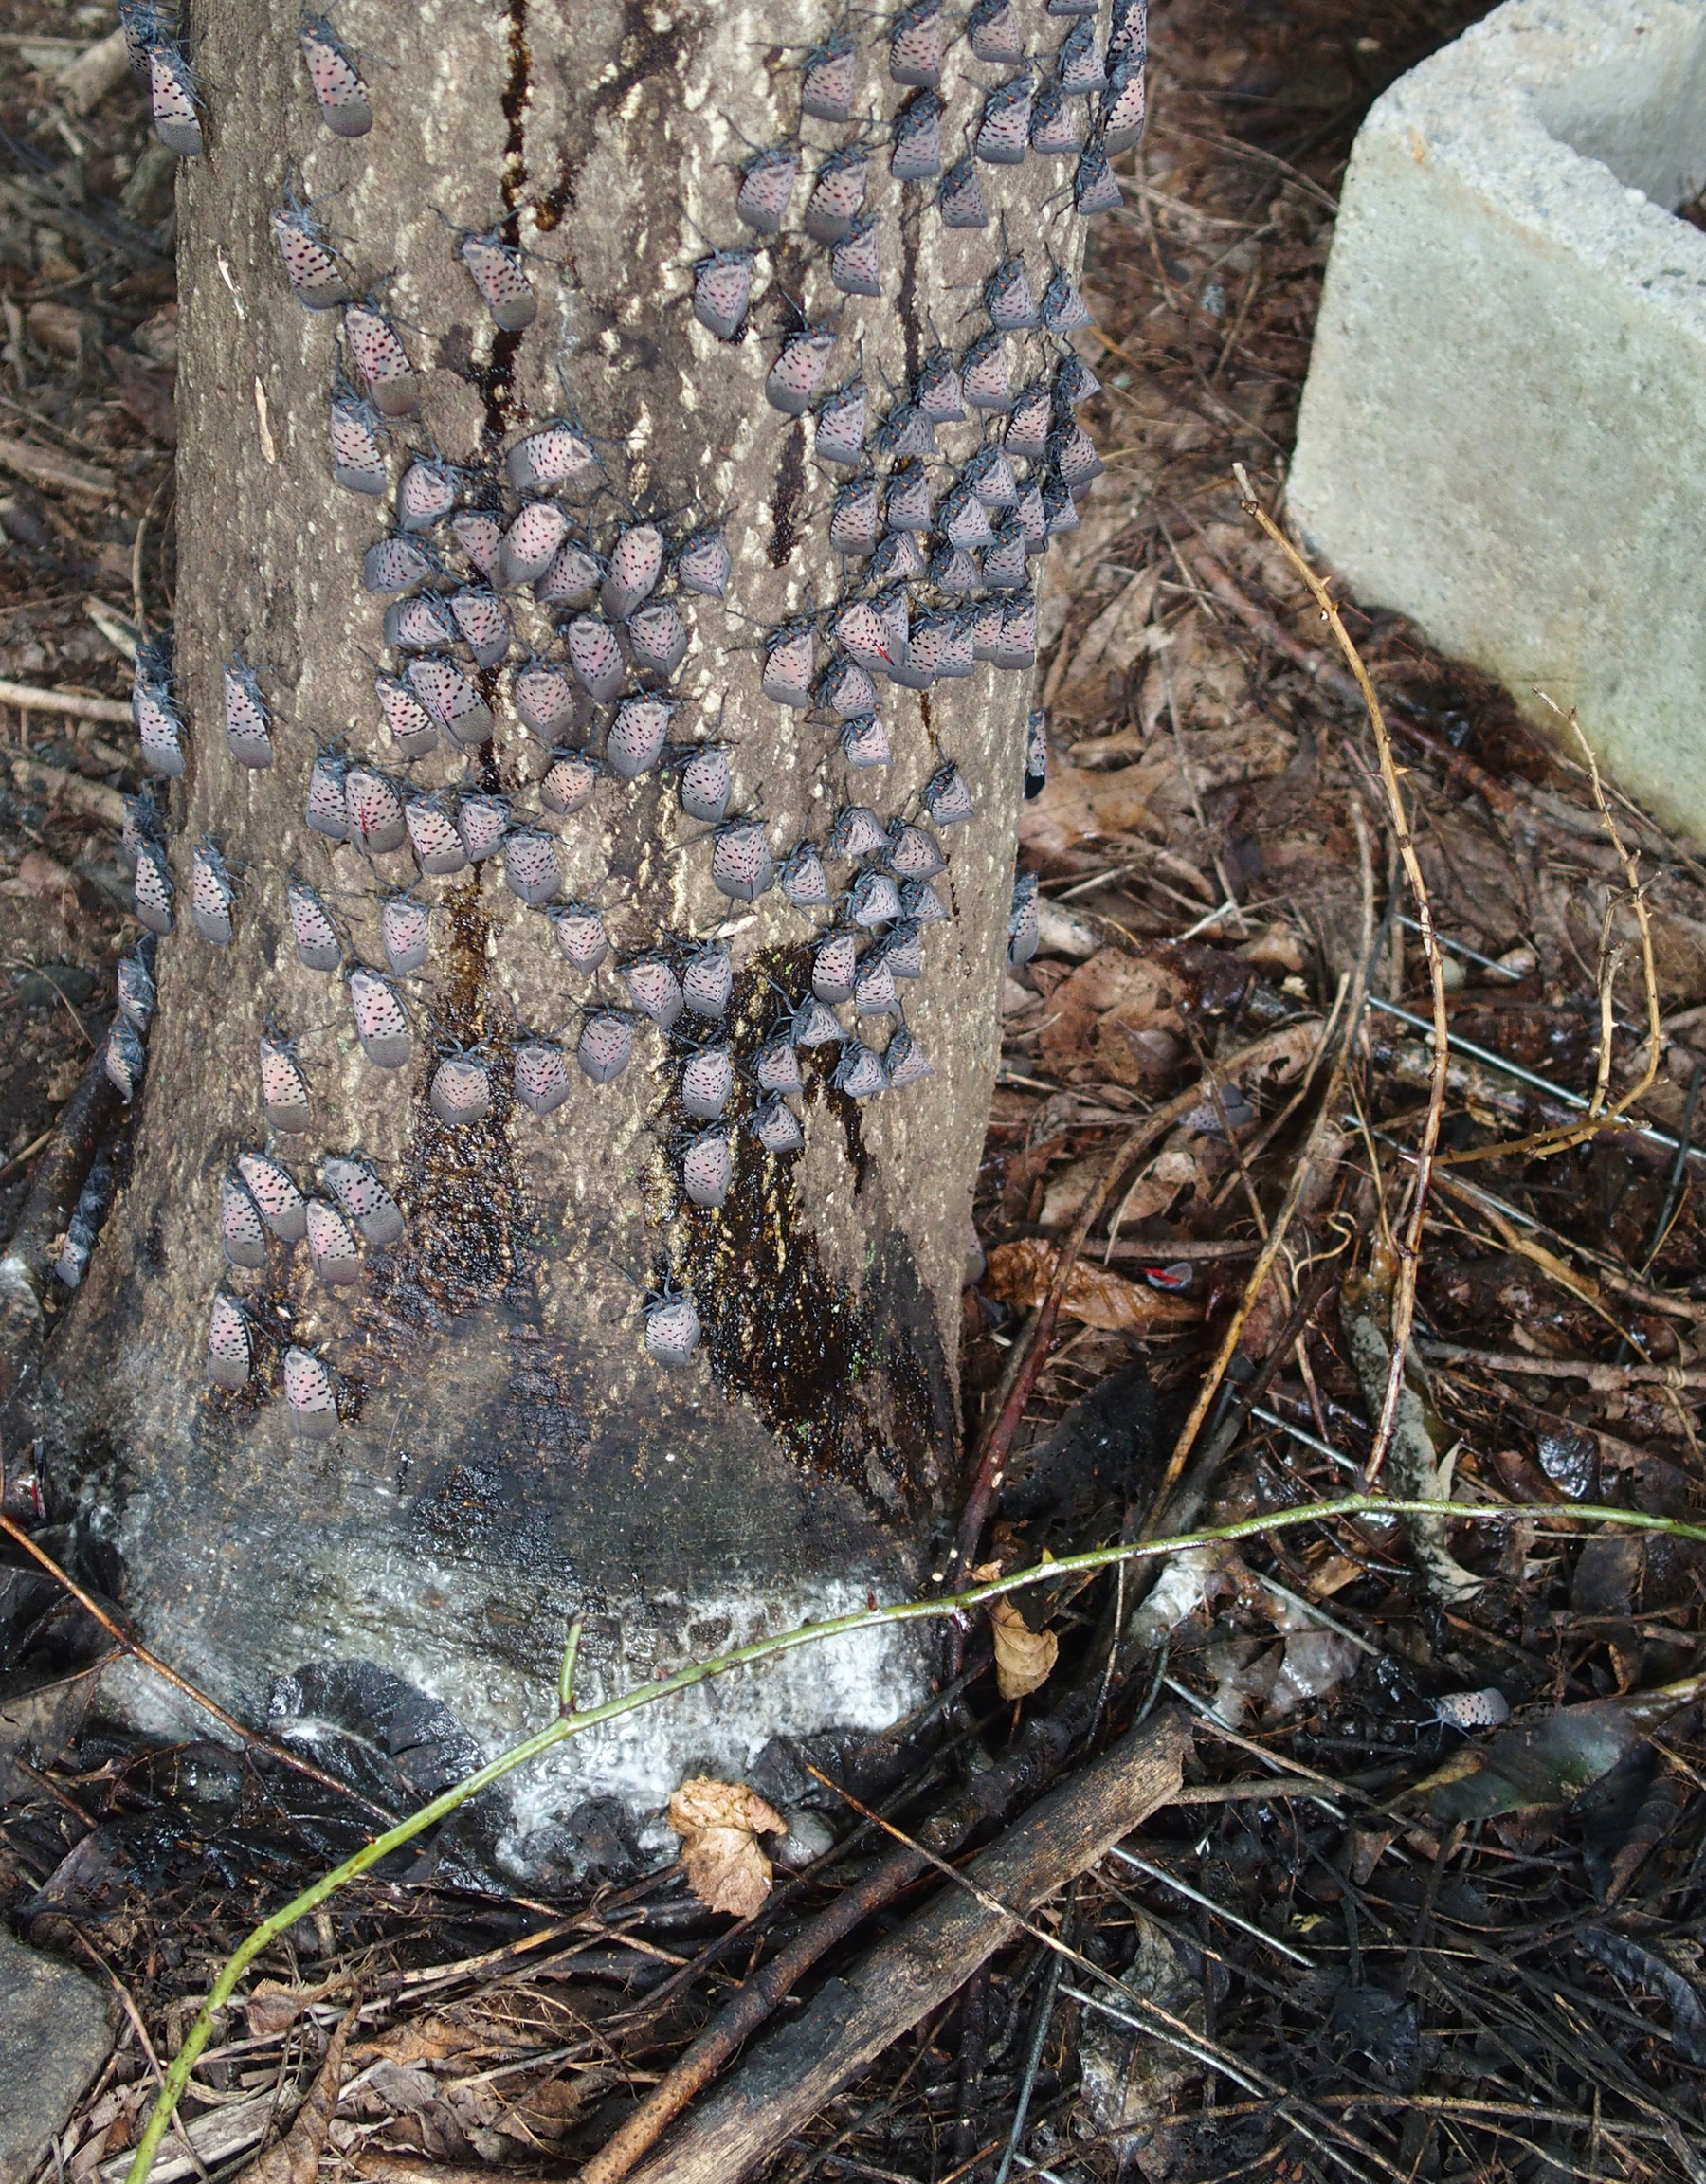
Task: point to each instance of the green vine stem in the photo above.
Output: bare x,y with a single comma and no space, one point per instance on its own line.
572,1724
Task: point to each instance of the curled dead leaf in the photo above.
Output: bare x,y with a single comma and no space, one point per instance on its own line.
719,1824
1019,1274
1024,1658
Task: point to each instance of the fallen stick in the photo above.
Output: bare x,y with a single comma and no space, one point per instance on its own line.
88,799
852,2021
31,700
42,466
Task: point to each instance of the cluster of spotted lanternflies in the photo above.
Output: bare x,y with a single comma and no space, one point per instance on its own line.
944,584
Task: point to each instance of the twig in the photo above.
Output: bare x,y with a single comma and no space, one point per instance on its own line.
1409,1247
88,799
42,466
1607,1377
72,701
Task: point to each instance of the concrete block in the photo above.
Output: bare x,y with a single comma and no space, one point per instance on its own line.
1503,432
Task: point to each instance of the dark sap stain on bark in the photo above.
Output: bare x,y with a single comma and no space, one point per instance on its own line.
643,51
787,494
516,91
906,302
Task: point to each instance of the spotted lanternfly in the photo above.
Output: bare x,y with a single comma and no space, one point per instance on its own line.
836,195
990,477
420,624
708,1167
834,966
425,494
242,1234
248,725
495,268
898,560
955,569
433,838
938,391
654,989
1124,109
707,783
396,565
173,100
847,689
1466,1710
839,432
994,31
916,46
1032,520
1094,186
905,1062
917,149
231,1347
1026,434
1073,455
317,946
382,361
154,888
482,822
704,565
708,979
831,77
325,810
124,1057
859,1072
903,950
1019,632
1004,125
984,374
212,894
964,519
1127,41
364,1198
542,1081
596,658
707,1083
568,782
531,869
273,1189
804,880
336,82
461,1091
798,373
1005,563
357,459
558,455
777,1067
960,199
907,504
1022,922
543,697
985,629
1055,131
859,629
1062,310
309,1395
874,992
579,932
894,609
766,184
1058,509
606,1046
672,1328
332,1244
451,699
635,739
856,832
657,638
284,1086
875,900
722,290
381,1020
311,265
777,1127
134,989
636,563
913,854
854,524
529,546
572,579
373,811
906,430
484,624
854,263
1077,65
1008,297
813,1025
947,798
142,21
405,933
921,904
479,534
159,727
917,671
1072,7
742,867
865,743
788,663
1036,753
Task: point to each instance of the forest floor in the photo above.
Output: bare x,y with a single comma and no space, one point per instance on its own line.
1390,1937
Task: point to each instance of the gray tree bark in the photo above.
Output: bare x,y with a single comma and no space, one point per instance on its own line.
507,1453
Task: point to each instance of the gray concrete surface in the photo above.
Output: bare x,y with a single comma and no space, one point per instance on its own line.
57,2035
1503,433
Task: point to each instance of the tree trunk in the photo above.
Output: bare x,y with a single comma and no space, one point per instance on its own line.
507,1453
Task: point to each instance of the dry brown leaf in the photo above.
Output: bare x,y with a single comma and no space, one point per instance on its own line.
272,2007
1020,1273
48,881
1024,1658
296,2157
719,1824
